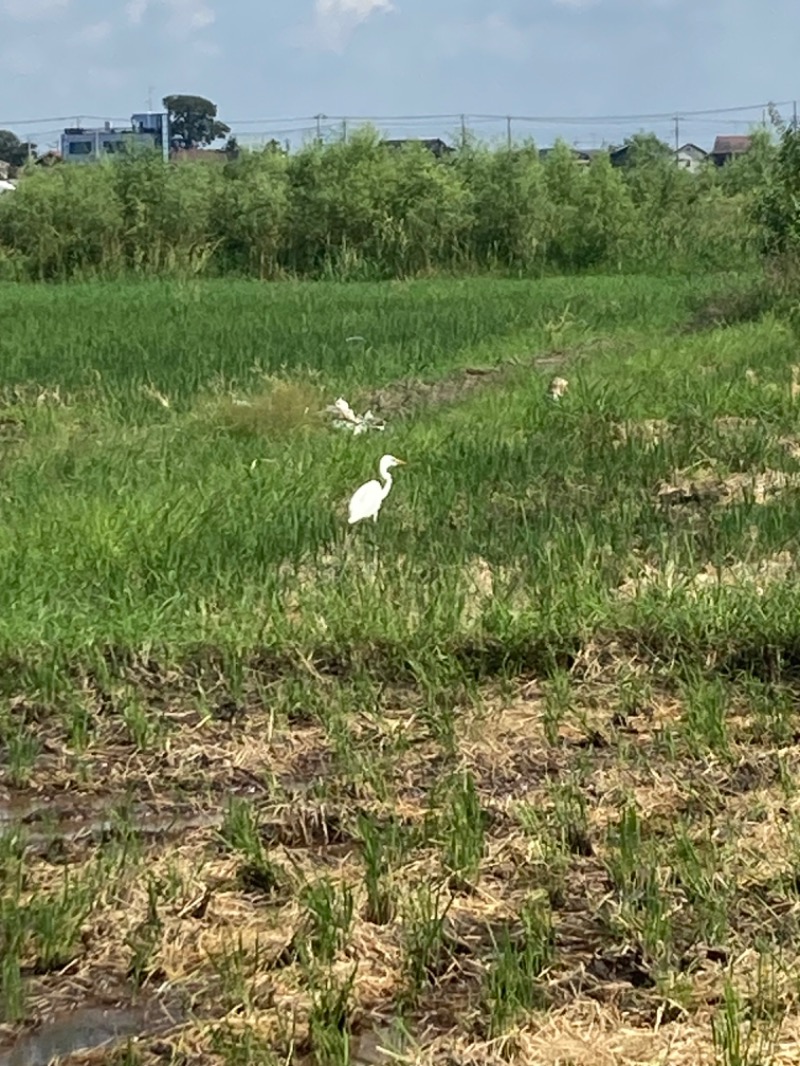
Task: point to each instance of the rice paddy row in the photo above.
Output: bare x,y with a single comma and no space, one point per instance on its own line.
510,776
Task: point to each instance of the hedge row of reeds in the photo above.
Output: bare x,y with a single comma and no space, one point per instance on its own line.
361,210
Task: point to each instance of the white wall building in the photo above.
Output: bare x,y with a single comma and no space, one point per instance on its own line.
83,145
690,157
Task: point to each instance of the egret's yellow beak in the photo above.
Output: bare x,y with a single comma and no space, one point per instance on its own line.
400,462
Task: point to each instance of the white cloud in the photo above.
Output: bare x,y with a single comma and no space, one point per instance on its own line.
135,11
31,10
194,14
355,9
335,20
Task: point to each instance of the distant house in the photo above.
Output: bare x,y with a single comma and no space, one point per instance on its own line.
588,155
435,145
620,157
727,148
687,157
81,144
690,157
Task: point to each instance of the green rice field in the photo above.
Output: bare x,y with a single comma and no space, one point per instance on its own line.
508,776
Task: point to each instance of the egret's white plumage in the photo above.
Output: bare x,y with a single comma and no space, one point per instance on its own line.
367,499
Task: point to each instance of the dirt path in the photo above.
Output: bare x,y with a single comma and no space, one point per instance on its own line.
404,398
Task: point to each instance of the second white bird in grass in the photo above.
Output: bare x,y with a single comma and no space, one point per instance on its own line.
367,499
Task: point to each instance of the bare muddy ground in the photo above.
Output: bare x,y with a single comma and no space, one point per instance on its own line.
664,863
402,398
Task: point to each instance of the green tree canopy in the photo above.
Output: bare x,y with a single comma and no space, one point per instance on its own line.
13,150
777,203
645,149
193,120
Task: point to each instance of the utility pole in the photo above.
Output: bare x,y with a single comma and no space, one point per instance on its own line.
508,132
344,130
794,114
677,136
463,131
319,119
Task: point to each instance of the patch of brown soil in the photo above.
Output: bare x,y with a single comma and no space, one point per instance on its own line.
702,485
756,576
648,433
733,423
551,808
401,398
792,446
585,1033
12,430
727,309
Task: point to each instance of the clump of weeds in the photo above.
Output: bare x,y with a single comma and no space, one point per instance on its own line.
329,912
426,946
463,830
512,985
240,831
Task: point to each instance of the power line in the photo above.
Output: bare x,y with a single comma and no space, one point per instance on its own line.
452,116
642,116
652,116
273,121
5,123
324,127
339,118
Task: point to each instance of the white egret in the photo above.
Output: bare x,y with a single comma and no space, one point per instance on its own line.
367,499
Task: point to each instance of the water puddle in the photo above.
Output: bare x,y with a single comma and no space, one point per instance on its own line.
379,1046
87,1029
40,824
41,820
92,1028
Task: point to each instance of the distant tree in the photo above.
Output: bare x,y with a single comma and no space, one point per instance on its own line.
776,120
193,120
13,150
751,171
777,205
645,149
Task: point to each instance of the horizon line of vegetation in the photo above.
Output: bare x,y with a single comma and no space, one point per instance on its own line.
356,210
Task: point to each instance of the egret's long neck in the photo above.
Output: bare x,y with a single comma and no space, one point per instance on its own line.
387,483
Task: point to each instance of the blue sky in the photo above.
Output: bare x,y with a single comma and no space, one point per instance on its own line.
265,60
